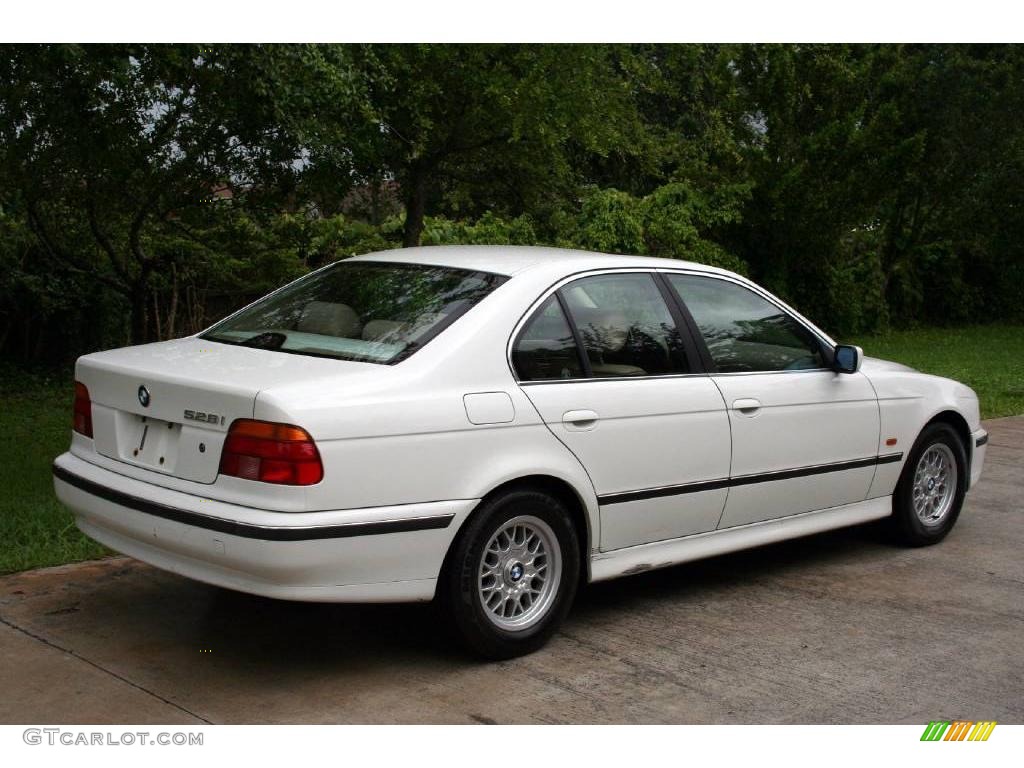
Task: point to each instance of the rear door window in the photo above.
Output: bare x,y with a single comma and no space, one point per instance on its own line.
625,326
619,325
546,348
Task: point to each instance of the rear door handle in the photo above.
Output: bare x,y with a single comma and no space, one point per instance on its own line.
580,420
747,406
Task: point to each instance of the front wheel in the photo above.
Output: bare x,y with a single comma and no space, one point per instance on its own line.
513,574
932,486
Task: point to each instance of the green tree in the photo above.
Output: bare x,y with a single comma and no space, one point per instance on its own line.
107,149
811,161
873,168
470,128
949,217
147,188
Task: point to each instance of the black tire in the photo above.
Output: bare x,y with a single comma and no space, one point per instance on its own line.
459,590
909,529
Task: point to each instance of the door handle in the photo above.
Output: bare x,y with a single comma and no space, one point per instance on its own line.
747,406
580,420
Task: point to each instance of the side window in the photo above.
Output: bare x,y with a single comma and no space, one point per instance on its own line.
546,348
743,331
625,326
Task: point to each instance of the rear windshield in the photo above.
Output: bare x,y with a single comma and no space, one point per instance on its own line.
367,311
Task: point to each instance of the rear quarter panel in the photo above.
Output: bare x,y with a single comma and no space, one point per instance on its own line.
405,436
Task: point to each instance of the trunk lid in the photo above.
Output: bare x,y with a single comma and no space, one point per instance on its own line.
167,407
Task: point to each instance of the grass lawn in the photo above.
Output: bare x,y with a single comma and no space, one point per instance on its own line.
35,418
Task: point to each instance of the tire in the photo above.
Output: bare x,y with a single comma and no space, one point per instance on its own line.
926,514
512,574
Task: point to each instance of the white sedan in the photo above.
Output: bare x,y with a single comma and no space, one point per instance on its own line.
490,426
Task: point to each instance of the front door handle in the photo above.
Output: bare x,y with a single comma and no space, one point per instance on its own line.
747,406
580,420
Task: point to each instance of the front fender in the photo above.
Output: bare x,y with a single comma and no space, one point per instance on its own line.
907,402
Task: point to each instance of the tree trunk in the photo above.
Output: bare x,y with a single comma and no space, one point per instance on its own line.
415,206
138,315
172,313
139,298
157,324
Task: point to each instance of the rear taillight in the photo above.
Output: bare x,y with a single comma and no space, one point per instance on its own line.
271,453
82,422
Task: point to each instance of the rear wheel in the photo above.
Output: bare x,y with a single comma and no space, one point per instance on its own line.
513,574
932,486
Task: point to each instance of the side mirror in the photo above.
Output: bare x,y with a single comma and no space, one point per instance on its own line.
847,358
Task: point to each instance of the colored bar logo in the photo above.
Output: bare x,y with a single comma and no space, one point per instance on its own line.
958,730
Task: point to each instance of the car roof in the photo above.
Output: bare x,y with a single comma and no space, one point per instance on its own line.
515,259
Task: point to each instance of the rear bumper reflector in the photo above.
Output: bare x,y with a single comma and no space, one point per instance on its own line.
248,530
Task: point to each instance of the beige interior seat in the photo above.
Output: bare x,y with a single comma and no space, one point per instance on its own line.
382,330
606,331
329,319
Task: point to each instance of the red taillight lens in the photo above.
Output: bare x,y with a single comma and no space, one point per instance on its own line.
82,422
271,453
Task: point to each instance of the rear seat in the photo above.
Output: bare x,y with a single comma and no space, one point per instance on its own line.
329,319
380,330
605,332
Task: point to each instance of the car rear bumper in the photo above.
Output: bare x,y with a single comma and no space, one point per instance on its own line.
378,554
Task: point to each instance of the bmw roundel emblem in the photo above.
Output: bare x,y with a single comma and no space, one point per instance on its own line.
144,396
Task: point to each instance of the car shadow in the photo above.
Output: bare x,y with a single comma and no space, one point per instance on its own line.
261,631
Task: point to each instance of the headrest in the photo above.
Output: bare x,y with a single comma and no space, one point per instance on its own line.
604,328
329,319
380,330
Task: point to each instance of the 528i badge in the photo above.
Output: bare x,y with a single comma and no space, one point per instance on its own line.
206,418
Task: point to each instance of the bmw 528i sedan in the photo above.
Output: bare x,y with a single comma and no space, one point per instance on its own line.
490,426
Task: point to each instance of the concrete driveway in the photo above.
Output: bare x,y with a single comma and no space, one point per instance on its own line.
841,627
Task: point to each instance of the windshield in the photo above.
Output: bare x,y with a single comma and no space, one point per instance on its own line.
367,311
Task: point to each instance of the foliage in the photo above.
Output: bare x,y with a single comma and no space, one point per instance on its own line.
855,285
489,229
902,142
673,222
607,220
678,219
116,155
467,126
147,189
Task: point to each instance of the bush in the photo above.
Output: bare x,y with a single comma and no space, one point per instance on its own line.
609,221
854,290
489,229
677,220
672,222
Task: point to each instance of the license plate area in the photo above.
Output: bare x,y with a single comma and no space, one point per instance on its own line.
148,442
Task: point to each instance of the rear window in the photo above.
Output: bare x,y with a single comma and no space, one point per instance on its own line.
366,311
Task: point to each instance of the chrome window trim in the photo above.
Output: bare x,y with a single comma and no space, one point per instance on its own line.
740,281
772,373
598,379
